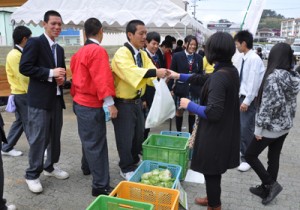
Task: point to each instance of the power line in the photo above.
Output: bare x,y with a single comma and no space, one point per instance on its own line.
239,10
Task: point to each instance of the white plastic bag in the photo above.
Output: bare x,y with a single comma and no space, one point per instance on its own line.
163,106
11,107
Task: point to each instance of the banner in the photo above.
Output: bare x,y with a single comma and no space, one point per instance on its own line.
253,15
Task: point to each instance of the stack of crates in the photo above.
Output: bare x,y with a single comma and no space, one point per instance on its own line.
167,149
182,134
162,198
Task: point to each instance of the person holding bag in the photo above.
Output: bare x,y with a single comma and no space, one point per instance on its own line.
187,62
217,141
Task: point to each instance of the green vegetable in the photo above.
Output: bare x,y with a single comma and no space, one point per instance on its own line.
157,177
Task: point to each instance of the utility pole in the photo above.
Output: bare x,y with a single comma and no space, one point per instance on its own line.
195,5
185,8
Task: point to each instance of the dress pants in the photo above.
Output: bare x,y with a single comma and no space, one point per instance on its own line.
2,201
44,132
19,125
129,131
255,148
247,127
92,133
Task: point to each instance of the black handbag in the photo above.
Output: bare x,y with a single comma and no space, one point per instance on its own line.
181,89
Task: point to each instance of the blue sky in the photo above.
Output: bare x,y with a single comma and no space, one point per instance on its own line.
234,10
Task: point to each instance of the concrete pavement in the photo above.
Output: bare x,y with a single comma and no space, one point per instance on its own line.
75,192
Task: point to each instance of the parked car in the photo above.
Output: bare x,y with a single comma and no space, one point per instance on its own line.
296,49
268,48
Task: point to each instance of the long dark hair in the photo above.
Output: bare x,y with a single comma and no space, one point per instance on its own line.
280,57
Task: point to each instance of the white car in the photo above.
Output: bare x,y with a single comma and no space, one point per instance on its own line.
268,48
296,49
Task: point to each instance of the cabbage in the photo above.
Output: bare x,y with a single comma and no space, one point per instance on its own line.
164,178
156,172
157,177
154,179
169,184
166,172
146,175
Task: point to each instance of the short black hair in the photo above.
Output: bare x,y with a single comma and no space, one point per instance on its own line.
259,49
92,26
51,13
168,38
167,44
244,36
19,33
188,39
132,26
179,42
219,47
153,35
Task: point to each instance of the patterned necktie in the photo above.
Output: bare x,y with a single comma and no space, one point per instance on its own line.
155,60
139,60
53,47
190,58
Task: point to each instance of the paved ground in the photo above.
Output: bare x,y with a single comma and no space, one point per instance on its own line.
75,192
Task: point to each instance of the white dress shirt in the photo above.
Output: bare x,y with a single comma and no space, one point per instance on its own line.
253,73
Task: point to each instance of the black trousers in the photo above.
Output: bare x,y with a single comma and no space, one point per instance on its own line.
255,148
213,189
129,131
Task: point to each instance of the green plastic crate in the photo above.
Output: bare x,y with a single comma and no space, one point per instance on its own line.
104,202
167,149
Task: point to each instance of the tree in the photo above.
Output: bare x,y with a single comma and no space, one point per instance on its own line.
270,19
271,13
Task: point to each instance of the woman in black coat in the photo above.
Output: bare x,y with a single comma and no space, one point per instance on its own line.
217,142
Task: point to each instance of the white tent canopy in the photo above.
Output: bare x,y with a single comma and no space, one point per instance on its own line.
114,14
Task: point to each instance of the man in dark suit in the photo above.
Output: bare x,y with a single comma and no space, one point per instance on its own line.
43,62
152,49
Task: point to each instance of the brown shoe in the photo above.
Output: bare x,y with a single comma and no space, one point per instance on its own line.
213,208
201,201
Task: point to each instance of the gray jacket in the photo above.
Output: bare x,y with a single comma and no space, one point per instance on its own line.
278,105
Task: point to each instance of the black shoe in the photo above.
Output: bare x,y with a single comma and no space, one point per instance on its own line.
274,189
97,192
259,190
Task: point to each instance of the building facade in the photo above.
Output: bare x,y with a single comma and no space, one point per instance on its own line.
290,28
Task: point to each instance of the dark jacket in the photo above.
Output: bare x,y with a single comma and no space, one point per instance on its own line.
217,142
180,64
36,62
2,133
150,90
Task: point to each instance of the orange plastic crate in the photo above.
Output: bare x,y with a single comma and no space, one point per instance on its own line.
161,198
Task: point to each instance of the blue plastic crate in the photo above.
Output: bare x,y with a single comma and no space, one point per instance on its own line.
182,134
107,114
147,166
176,133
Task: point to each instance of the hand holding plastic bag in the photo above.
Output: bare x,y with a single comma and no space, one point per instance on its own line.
163,106
11,107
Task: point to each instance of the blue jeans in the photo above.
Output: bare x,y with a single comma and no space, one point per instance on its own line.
247,127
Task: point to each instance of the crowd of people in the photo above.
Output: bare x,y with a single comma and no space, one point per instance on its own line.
235,111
